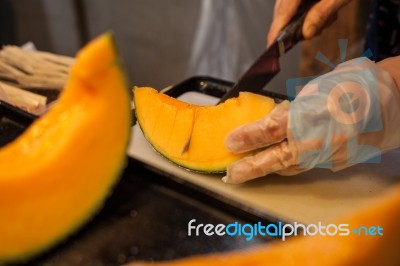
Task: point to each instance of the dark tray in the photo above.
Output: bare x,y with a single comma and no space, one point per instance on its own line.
214,87
211,86
147,215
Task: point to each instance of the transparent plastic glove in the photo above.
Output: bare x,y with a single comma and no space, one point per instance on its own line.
347,116
319,17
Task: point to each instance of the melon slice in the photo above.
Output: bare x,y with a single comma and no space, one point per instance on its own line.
193,136
56,175
363,245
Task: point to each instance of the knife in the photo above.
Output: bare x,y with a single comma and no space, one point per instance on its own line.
265,68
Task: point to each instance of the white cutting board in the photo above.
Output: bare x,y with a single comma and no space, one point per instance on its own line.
310,197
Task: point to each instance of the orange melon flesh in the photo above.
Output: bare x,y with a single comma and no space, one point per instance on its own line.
56,175
193,136
351,250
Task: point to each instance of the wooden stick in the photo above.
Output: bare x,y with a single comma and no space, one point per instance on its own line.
29,62
34,69
28,101
7,69
40,82
57,59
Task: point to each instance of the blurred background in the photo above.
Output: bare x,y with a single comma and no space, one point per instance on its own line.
163,42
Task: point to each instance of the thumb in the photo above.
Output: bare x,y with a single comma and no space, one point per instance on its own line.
272,129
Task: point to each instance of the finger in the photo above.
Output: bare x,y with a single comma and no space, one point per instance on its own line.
320,15
392,66
274,159
261,133
327,23
284,10
330,20
292,170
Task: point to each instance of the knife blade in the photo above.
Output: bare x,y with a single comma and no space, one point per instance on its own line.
266,66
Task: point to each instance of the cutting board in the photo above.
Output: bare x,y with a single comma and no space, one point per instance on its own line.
315,196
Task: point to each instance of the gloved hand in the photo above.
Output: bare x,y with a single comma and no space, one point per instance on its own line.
319,17
344,117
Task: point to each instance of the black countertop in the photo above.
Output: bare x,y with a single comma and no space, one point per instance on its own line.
145,219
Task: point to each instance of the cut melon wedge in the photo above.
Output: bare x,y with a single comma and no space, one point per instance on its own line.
193,136
57,174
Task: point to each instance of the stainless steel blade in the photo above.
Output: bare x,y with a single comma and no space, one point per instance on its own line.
259,74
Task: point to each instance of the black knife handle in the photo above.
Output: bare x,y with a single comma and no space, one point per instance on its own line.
292,33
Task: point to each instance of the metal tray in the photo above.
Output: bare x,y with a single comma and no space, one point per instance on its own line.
318,195
217,88
211,86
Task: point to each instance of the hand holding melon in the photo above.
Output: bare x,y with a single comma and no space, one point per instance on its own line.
193,136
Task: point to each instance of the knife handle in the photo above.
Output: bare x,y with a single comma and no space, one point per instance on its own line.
292,33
